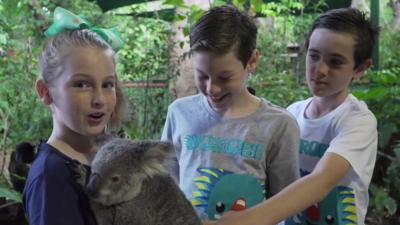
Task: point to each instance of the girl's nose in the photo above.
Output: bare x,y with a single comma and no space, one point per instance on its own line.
98,97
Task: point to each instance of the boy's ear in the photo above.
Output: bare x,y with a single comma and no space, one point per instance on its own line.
359,71
43,91
252,63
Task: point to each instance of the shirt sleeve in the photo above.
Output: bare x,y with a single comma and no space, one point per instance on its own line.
167,135
283,161
356,141
50,200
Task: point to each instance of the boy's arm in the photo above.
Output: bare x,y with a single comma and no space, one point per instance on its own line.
283,159
167,135
296,197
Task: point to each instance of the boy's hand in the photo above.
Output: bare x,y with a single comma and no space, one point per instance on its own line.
209,222
228,218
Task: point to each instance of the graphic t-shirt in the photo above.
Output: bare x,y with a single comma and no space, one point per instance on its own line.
231,164
349,131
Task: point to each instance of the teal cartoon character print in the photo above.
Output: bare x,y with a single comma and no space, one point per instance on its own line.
338,208
218,191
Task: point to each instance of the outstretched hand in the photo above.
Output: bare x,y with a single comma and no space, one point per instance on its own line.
209,222
229,218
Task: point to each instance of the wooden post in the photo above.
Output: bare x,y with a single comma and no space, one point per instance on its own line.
375,22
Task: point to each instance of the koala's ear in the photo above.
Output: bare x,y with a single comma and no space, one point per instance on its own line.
157,157
159,150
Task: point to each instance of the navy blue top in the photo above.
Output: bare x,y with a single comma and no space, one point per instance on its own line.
51,195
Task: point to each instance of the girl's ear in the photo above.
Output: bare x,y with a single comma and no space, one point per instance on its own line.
252,63
43,92
360,70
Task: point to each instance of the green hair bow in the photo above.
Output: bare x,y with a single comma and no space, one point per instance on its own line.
66,20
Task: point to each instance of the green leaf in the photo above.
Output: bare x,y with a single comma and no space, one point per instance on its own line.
390,205
3,39
10,194
177,3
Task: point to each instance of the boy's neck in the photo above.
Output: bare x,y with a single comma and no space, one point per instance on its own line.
244,105
320,106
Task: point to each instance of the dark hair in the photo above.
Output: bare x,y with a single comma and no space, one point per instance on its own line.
222,29
352,21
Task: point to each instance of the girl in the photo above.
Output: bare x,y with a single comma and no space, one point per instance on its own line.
78,82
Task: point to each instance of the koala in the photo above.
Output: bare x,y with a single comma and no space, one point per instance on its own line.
129,185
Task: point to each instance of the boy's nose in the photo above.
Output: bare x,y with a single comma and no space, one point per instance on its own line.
213,88
322,68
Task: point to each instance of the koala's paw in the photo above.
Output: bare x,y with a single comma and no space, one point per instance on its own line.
79,172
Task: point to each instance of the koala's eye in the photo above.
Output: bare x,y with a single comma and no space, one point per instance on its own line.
115,179
220,207
329,219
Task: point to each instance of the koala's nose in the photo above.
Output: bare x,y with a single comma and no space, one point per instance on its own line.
93,185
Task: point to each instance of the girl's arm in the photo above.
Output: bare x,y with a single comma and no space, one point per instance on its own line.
294,198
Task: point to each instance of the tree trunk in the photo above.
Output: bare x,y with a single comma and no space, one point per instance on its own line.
396,12
361,5
183,84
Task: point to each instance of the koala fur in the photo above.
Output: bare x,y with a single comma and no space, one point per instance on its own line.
129,185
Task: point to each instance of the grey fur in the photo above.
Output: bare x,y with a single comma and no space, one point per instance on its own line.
129,185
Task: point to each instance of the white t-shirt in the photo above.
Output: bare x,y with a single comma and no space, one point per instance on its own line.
350,131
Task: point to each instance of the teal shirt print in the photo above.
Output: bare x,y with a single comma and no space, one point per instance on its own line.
218,191
235,147
338,208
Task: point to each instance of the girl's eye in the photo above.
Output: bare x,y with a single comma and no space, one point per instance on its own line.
81,84
109,85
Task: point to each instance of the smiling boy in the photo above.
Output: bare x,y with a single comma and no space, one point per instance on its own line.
338,132
233,149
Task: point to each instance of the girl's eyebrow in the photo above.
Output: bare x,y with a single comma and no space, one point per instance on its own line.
87,76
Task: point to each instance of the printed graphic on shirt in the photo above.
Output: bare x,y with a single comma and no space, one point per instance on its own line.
218,191
312,148
338,208
235,147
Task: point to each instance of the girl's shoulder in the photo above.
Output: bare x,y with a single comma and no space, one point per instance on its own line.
50,164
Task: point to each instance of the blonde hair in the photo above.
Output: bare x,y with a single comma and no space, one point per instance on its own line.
52,57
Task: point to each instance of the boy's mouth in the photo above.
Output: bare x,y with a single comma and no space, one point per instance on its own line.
217,99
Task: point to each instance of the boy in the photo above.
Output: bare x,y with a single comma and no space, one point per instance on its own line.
338,133
233,148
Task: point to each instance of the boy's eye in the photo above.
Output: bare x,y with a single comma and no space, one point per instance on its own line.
336,62
313,57
225,78
202,77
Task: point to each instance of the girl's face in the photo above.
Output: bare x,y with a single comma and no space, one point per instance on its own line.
83,96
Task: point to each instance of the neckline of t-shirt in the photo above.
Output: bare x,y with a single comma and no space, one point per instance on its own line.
328,115
57,152
216,115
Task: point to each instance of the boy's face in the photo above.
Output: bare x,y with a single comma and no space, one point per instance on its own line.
220,77
330,63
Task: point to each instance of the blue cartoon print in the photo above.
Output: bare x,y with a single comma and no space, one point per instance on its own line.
338,208
218,191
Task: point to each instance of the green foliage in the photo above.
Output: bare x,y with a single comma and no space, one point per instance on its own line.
145,58
382,95
7,192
